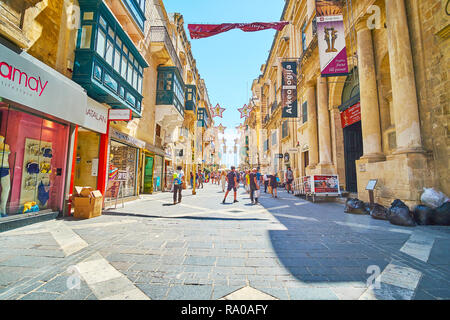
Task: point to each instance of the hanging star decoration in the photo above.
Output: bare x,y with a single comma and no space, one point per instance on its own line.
240,127
245,111
217,111
221,128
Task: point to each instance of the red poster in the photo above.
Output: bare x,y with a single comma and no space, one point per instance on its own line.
351,115
326,184
199,31
307,184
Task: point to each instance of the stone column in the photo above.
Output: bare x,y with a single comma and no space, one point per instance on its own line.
370,110
312,127
404,94
323,118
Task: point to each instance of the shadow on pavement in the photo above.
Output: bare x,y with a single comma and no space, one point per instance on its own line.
316,250
106,213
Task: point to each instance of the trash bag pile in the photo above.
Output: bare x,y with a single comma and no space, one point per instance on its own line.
400,215
355,206
379,212
434,210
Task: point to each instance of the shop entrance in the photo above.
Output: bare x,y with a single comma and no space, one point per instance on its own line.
86,167
148,174
353,148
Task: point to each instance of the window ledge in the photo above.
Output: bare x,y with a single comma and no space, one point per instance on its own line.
14,34
303,126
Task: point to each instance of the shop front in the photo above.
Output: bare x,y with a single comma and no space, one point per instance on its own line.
39,109
158,174
86,165
149,171
124,152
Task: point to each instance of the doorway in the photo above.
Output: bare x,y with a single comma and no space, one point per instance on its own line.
148,174
353,149
351,124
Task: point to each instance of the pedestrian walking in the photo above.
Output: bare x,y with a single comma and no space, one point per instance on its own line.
254,186
266,181
289,178
223,179
273,183
192,180
232,184
200,179
178,180
247,181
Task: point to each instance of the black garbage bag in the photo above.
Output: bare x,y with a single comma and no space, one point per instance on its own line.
379,212
367,207
399,214
355,206
441,215
423,215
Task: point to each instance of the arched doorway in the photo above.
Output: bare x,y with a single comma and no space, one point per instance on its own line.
351,124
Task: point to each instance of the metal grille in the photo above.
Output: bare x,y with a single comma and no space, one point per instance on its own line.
160,34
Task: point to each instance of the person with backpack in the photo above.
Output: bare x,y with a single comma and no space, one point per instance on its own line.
289,178
178,179
273,183
232,184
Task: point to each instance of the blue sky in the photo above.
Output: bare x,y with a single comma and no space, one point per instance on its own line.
230,61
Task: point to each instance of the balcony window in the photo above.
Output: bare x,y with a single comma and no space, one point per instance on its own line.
107,63
86,36
170,88
137,10
111,83
98,73
101,40
88,16
285,129
191,97
274,138
305,111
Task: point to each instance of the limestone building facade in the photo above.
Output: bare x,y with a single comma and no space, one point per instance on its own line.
398,75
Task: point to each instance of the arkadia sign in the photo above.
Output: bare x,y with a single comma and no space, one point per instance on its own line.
289,89
331,35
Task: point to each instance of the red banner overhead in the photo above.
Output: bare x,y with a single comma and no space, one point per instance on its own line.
199,31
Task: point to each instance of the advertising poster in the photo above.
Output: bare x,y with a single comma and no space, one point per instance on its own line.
331,38
351,115
326,184
289,89
307,184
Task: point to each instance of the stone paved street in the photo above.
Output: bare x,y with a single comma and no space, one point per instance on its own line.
285,248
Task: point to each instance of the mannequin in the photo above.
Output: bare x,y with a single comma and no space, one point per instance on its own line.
4,175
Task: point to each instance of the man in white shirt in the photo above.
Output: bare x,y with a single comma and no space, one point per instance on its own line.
266,182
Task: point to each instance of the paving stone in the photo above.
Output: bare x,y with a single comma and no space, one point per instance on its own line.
190,292
222,291
311,294
230,262
154,291
41,296
199,261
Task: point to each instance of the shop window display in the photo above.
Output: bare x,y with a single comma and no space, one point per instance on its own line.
123,166
33,155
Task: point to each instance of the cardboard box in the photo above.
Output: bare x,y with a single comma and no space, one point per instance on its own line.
86,192
77,191
88,207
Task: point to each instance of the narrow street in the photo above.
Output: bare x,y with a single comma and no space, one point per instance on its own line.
285,248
